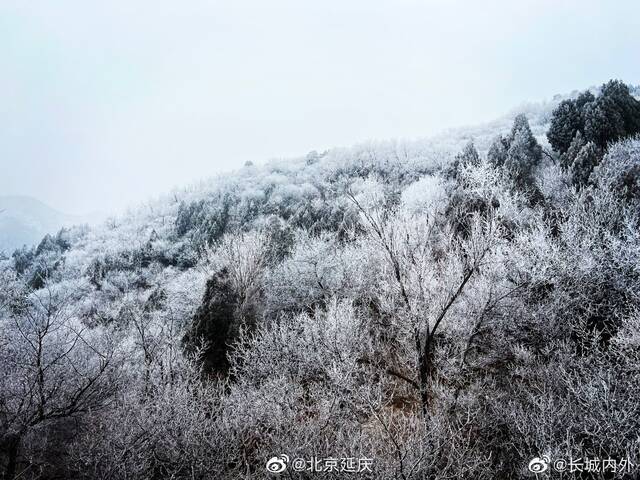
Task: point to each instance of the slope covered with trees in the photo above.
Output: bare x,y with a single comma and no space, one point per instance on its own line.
450,308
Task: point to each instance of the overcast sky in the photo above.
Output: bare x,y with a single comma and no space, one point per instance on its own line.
107,103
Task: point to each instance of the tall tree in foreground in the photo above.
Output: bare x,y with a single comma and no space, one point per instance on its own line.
432,269
212,327
52,369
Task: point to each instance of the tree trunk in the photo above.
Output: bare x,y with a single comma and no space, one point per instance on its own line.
425,369
13,445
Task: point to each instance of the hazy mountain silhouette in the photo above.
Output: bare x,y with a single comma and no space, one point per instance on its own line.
25,220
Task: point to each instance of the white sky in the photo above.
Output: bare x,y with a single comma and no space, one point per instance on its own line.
107,103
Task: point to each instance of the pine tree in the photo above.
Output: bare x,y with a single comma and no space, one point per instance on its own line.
565,122
619,171
213,323
467,157
567,158
614,115
603,122
524,153
497,153
280,241
582,100
625,103
586,160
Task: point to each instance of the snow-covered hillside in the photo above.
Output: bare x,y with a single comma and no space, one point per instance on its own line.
447,307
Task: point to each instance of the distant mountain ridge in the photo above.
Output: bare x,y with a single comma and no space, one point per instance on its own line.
25,220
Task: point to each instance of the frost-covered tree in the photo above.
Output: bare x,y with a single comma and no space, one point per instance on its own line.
280,240
170,433
53,370
604,122
355,302
619,170
582,100
467,157
583,164
214,324
519,153
612,115
497,153
524,153
567,158
565,123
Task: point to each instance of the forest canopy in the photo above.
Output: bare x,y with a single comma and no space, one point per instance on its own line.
449,308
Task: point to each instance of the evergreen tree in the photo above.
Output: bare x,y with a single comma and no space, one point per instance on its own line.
582,100
524,153
23,259
47,244
603,121
467,157
497,153
565,122
519,153
567,158
619,171
613,115
213,323
280,241
625,103
586,160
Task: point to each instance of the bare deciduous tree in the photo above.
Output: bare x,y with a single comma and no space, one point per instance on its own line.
52,367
